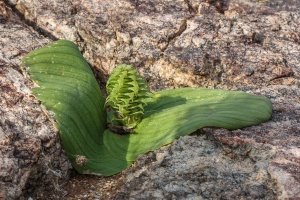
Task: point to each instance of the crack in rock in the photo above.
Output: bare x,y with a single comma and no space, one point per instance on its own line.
178,33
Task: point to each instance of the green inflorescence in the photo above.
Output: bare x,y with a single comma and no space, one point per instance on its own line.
127,95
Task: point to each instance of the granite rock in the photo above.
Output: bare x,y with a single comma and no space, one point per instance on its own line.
31,158
248,45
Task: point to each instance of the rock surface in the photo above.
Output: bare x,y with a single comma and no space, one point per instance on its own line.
31,158
199,167
246,45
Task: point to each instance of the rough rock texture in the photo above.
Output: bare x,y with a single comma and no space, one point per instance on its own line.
247,45
180,43
31,157
202,168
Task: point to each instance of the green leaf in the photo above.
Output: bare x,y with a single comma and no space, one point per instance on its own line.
180,112
68,88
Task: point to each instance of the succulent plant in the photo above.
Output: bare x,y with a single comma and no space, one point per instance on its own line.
67,88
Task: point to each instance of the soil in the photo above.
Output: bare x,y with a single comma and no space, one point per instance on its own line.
82,187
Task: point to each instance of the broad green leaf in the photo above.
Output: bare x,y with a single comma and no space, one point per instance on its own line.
68,88
180,112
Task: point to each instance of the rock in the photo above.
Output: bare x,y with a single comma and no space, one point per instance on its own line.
200,167
32,161
247,45
179,43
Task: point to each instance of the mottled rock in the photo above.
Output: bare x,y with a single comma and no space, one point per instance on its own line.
248,45
226,44
32,161
201,167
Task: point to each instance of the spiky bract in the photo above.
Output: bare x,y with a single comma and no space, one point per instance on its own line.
127,95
